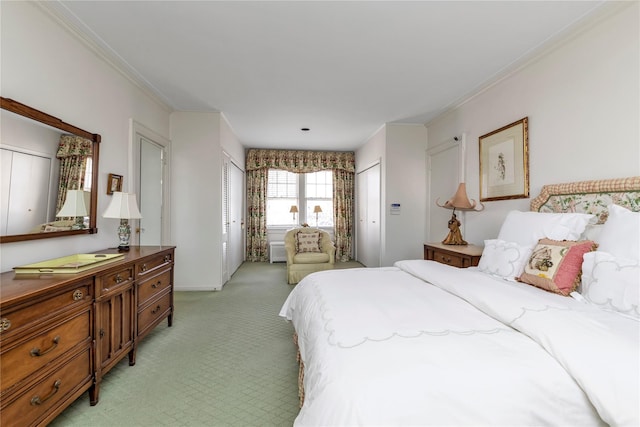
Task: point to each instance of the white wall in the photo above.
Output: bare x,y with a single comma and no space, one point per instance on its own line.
404,184
196,194
230,143
400,149
582,100
197,143
46,67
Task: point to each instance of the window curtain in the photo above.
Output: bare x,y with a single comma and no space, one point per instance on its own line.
73,152
258,164
343,189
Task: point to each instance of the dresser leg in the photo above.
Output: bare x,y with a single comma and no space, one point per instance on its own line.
132,355
170,319
94,392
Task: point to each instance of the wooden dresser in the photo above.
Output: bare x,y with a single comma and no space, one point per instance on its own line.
61,333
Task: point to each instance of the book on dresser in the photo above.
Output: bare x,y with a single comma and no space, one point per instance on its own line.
61,333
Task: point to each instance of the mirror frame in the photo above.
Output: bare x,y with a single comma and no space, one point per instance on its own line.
38,116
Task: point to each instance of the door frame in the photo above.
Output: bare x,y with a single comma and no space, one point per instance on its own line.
137,131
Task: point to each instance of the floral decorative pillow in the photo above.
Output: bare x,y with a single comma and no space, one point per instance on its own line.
308,241
556,266
503,259
611,282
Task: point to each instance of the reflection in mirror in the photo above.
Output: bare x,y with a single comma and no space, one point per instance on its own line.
49,175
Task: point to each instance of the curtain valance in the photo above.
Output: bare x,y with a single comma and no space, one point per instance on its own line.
73,145
300,161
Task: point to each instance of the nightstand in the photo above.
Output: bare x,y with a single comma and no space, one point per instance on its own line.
462,256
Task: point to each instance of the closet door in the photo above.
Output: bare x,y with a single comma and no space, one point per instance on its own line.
361,220
236,217
232,217
226,219
373,216
24,210
368,249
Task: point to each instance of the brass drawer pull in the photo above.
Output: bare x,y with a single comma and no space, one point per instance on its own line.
143,267
4,324
118,279
78,295
447,260
35,400
156,285
167,258
37,353
155,310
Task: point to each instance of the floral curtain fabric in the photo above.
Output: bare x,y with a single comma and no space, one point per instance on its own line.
258,163
343,193
73,152
257,214
301,161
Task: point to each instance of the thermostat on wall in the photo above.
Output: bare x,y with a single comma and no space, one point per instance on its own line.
395,208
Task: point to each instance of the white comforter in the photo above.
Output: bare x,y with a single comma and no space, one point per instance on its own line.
384,347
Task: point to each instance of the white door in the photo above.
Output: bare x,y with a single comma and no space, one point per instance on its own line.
24,210
373,215
150,192
226,222
236,217
361,223
232,217
368,248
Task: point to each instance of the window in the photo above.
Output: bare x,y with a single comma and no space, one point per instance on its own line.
305,191
88,174
282,193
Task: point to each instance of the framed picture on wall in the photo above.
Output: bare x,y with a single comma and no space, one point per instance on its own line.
114,183
504,162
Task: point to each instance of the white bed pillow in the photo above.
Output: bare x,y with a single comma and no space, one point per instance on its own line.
611,282
503,259
526,228
620,234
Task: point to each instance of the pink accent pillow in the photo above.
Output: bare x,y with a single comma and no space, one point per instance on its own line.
556,266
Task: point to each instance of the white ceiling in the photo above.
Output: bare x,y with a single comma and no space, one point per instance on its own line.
341,68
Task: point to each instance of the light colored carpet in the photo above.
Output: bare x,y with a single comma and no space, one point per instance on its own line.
228,360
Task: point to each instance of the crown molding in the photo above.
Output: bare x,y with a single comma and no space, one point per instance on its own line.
59,13
550,45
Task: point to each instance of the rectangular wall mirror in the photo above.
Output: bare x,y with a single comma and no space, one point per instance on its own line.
49,175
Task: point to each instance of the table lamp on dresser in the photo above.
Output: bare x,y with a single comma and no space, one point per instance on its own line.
124,207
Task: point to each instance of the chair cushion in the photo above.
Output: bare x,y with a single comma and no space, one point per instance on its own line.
310,258
308,241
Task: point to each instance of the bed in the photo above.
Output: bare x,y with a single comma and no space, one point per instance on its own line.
545,331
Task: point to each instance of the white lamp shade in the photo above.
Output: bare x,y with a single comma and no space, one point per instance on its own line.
76,204
122,206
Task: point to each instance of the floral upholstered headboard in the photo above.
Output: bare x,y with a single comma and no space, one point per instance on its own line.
590,197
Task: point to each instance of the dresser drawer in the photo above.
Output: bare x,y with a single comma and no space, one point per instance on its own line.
151,314
18,318
448,258
153,286
114,281
23,359
30,406
148,266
